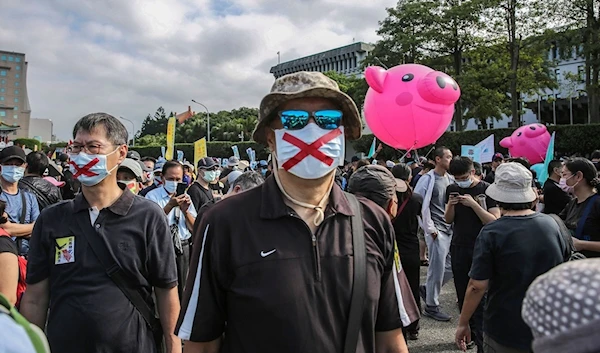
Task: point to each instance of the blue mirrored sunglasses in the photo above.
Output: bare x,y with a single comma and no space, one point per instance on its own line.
298,119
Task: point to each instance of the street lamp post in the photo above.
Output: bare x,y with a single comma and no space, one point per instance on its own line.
207,120
132,129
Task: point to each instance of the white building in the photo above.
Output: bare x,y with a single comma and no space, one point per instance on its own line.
41,130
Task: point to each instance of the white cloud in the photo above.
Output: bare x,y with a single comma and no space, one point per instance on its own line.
129,57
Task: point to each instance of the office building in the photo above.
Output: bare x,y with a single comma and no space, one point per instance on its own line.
346,60
41,130
14,102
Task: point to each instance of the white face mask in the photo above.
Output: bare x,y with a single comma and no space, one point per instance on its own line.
296,155
170,186
464,184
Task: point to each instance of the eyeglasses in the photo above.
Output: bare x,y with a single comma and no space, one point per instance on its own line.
90,149
298,119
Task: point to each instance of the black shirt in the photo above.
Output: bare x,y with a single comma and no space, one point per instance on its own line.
555,199
256,276
511,252
489,178
88,312
199,195
467,224
591,228
7,245
147,190
406,226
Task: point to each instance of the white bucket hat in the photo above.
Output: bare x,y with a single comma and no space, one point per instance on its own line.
512,184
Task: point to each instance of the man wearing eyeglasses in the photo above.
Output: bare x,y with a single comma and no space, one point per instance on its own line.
273,269
77,248
200,191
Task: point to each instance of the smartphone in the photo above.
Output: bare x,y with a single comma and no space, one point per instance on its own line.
181,187
454,194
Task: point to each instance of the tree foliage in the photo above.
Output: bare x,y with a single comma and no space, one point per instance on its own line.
355,87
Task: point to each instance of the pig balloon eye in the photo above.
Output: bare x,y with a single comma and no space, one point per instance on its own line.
407,77
519,134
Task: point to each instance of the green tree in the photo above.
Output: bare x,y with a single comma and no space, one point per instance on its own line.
355,87
153,125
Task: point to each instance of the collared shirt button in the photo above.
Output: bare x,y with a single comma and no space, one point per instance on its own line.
97,226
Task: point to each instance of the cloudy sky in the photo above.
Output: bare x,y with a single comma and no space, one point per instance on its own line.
128,57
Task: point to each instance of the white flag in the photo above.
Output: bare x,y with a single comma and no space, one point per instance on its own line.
487,149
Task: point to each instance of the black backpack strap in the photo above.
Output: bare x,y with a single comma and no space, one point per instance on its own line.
38,194
118,276
23,206
359,285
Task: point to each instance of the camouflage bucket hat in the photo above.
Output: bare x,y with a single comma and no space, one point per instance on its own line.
302,85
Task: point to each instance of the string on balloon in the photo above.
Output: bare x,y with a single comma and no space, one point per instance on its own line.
407,151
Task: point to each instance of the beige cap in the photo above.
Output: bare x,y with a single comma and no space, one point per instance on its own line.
512,184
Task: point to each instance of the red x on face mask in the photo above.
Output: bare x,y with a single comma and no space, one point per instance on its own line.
311,152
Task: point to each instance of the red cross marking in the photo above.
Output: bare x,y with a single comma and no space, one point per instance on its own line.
309,150
85,170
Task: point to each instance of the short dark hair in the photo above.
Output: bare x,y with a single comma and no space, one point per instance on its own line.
595,154
478,168
171,164
460,166
515,206
362,163
149,159
428,165
522,161
116,132
439,152
248,180
586,167
37,163
401,171
555,163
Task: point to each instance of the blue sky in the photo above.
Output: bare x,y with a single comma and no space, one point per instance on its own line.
127,58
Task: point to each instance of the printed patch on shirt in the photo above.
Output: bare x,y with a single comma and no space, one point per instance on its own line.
65,251
397,258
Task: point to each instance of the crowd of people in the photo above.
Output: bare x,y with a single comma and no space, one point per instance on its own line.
110,251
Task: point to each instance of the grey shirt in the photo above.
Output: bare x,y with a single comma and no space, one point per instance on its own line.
438,202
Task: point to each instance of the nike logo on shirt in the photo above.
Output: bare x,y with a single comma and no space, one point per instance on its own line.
265,254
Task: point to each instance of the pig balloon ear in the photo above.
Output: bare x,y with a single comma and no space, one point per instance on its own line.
375,77
506,142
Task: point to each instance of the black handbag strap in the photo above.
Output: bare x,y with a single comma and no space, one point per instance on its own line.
116,274
23,207
359,285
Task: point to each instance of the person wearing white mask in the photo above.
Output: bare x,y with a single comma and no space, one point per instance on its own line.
200,191
21,205
180,212
281,257
105,246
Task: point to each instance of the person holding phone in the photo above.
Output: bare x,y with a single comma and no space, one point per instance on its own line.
468,209
180,211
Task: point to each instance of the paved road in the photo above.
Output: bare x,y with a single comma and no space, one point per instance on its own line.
438,336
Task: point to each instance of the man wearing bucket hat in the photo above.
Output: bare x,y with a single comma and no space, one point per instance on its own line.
287,263
509,254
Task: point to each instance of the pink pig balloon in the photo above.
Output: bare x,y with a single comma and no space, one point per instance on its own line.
529,141
409,106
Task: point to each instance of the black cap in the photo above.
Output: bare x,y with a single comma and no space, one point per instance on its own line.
401,171
134,155
206,163
374,182
12,152
63,157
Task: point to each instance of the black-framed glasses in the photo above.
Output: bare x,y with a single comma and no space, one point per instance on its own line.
298,119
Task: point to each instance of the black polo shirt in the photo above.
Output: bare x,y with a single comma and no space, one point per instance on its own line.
88,312
259,277
199,195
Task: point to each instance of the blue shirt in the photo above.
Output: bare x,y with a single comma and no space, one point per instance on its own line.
14,206
160,196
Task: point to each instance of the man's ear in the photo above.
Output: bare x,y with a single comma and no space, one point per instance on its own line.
237,189
270,134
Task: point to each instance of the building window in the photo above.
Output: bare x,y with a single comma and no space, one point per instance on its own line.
491,125
17,60
581,72
557,74
16,91
18,68
1,98
2,72
15,116
2,90
3,81
509,125
16,108
16,84
16,75
3,58
2,113
16,100
10,58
